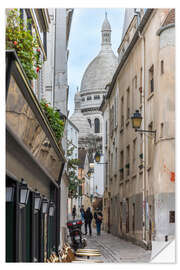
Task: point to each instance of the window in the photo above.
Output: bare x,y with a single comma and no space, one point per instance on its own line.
128,103
122,111
89,120
106,135
150,145
134,153
96,125
127,159
171,216
151,79
140,87
83,99
97,97
162,130
121,165
162,66
89,98
135,82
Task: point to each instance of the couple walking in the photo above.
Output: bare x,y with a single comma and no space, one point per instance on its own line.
87,218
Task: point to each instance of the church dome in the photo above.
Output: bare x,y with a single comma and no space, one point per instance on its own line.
101,69
99,72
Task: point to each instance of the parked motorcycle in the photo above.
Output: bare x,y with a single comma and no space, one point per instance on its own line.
74,227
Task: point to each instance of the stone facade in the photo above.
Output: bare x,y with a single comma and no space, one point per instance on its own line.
139,199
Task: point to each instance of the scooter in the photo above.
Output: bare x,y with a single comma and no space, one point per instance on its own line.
74,227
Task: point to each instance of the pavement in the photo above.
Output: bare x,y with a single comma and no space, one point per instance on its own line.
116,250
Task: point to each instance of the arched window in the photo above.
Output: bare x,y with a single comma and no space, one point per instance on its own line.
96,125
89,120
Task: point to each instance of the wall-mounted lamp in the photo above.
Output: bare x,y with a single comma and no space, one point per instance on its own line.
51,209
136,123
45,204
10,193
23,193
97,157
37,200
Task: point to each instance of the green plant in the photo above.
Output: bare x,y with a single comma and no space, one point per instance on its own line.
19,38
53,117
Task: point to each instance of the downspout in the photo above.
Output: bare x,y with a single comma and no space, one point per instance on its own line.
141,36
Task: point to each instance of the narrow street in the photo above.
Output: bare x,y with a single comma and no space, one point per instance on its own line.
116,250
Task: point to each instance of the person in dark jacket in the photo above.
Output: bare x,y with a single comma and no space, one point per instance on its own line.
74,212
98,216
88,219
82,213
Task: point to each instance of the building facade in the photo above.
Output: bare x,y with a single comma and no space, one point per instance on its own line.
34,159
139,198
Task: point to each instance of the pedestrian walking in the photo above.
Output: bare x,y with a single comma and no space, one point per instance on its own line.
98,216
74,212
88,220
82,213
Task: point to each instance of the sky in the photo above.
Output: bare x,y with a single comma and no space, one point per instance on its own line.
85,42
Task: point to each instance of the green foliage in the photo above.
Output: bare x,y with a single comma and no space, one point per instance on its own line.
19,38
72,166
53,117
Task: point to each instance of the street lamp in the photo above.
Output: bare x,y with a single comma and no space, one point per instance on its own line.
51,208
45,203
97,157
37,200
136,123
23,193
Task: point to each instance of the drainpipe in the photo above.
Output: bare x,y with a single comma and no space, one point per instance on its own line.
144,138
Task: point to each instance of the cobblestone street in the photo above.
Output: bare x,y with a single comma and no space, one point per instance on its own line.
116,250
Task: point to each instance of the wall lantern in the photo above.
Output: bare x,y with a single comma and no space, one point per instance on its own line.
89,173
136,123
136,120
97,157
23,193
45,203
10,193
37,200
51,209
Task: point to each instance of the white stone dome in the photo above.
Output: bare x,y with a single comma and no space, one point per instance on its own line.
101,69
99,72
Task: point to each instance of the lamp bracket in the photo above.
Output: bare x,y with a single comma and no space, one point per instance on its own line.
147,131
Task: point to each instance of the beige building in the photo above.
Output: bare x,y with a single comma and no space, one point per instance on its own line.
139,197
